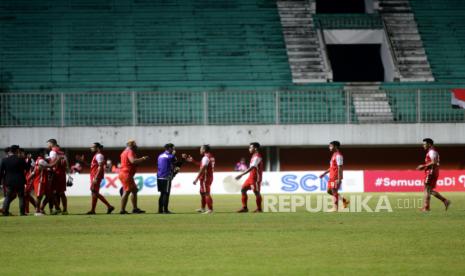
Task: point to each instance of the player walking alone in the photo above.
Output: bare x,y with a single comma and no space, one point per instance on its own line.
431,168
335,175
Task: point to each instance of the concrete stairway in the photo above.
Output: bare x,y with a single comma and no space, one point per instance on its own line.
304,48
370,103
406,42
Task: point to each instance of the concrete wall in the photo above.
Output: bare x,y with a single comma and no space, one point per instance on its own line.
233,136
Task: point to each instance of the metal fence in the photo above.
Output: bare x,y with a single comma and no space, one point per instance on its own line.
348,21
326,106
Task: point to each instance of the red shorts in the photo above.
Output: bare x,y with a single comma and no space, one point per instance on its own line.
41,189
29,187
95,187
332,185
205,185
431,180
59,183
251,184
128,182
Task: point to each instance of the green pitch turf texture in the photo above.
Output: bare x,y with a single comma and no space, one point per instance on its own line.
402,242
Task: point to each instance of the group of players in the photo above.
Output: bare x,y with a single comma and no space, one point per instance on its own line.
43,182
45,177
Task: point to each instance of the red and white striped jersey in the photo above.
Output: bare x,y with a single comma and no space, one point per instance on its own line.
431,155
208,161
336,160
257,163
97,160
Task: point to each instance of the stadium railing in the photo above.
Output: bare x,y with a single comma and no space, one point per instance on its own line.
324,106
348,21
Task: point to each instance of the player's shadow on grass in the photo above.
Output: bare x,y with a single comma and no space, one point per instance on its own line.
155,213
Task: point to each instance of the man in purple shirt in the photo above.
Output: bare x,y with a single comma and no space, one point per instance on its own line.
168,167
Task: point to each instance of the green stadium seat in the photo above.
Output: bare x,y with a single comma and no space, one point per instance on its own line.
442,28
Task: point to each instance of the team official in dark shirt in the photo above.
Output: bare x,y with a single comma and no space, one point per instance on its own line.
12,174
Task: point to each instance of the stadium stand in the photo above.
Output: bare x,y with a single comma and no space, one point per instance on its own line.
79,46
303,42
442,29
410,56
131,62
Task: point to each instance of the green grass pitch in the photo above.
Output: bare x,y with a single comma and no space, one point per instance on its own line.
404,241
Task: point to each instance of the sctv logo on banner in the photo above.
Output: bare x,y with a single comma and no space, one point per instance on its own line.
309,182
305,183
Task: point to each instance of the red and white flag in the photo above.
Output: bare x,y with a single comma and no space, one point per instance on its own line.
458,98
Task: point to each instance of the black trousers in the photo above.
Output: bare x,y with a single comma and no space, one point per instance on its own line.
11,191
164,187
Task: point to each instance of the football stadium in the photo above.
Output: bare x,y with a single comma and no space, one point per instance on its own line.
232,137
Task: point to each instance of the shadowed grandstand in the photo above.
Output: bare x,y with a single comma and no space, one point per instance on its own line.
139,45
442,29
192,62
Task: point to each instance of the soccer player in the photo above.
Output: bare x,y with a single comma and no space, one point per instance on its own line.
431,168
205,176
254,180
59,176
29,187
97,167
335,175
129,163
40,179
